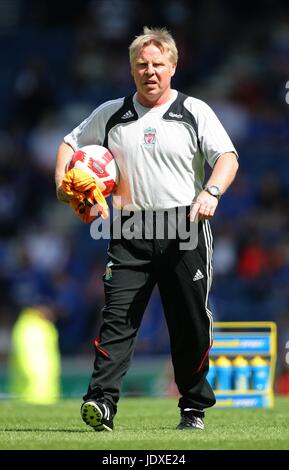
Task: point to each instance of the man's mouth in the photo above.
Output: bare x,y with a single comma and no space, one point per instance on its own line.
150,82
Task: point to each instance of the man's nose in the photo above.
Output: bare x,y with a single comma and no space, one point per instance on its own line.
150,69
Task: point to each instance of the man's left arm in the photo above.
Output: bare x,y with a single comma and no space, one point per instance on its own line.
222,176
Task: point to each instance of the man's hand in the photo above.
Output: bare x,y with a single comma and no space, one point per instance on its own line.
204,207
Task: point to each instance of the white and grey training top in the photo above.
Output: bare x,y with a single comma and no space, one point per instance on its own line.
160,151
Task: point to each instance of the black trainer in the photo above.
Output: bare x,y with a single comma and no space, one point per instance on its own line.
191,420
97,415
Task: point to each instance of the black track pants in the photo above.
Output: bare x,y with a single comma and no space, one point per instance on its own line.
184,279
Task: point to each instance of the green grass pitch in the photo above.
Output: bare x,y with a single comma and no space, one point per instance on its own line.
142,423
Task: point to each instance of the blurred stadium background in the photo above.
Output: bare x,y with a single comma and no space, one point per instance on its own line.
58,63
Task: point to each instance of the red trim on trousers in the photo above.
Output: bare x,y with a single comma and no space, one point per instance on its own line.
203,360
96,344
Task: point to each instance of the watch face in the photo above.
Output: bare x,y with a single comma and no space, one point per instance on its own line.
214,190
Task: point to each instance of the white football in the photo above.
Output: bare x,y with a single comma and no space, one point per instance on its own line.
98,162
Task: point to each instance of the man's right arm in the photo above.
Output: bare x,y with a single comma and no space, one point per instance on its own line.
64,154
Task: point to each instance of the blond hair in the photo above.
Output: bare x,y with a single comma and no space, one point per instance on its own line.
161,37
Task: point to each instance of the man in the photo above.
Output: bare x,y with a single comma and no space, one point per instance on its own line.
34,368
160,139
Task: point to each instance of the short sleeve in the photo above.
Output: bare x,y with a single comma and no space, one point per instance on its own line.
92,130
89,132
212,137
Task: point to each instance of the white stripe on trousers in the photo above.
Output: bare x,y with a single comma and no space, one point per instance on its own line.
209,268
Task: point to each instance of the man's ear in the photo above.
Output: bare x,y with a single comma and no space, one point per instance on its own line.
173,71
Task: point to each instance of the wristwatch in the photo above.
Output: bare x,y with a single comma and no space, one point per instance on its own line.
214,191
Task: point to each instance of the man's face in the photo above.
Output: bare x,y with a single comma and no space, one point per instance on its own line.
152,72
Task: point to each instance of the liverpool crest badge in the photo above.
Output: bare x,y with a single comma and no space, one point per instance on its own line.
149,136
